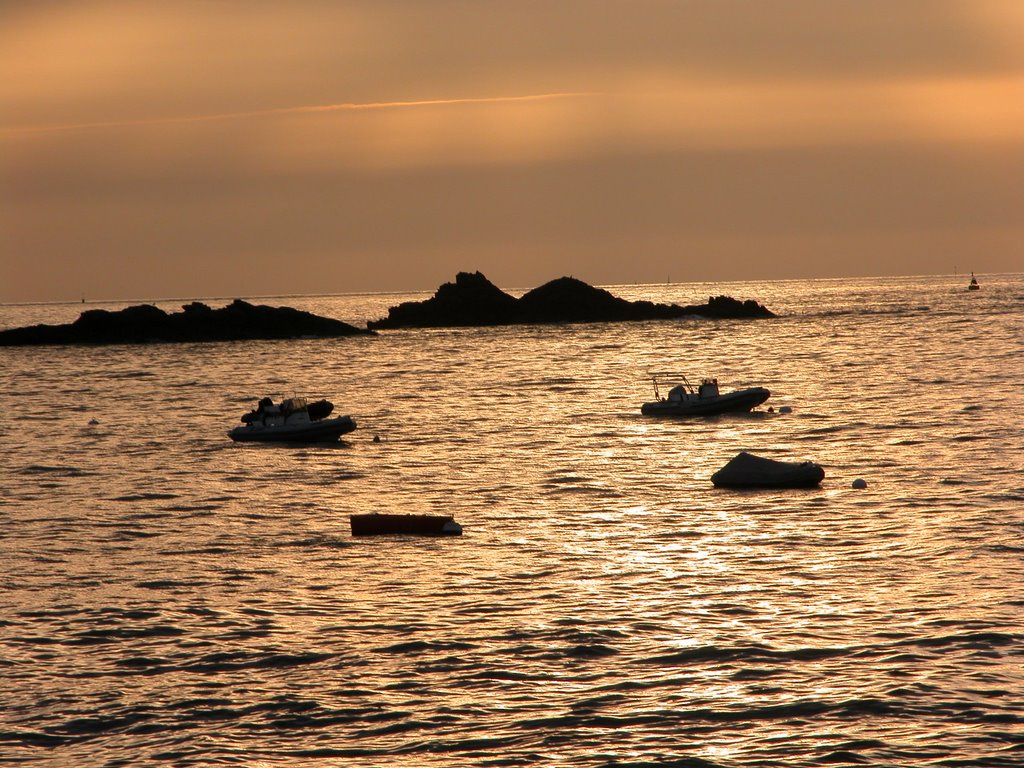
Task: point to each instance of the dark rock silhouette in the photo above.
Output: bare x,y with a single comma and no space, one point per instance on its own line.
145,323
567,299
472,300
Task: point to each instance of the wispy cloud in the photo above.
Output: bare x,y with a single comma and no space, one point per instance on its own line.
307,109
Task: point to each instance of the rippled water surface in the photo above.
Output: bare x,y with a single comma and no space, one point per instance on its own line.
170,597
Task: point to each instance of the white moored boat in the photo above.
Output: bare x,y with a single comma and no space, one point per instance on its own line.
684,399
294,420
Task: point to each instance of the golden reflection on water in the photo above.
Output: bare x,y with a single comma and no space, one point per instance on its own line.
598,563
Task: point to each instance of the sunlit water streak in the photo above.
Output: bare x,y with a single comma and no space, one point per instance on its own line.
170,596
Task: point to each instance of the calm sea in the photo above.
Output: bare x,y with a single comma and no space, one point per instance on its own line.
172,598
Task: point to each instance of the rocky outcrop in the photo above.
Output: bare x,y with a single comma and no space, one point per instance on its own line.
728,307
472,300
145,323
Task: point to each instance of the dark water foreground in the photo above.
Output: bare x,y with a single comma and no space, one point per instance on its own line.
172,598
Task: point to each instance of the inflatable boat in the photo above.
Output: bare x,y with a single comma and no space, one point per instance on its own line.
683,399
293,421
745,470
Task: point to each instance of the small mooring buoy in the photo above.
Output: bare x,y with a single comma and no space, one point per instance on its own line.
93,422
786,409
376,438
860,483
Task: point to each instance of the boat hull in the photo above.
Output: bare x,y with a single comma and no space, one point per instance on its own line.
322,431
733,402
377,524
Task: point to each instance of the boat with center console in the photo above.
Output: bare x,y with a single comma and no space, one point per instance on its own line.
293,421
705,399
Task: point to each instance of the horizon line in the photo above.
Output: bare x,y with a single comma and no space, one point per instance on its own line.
256,296
303,109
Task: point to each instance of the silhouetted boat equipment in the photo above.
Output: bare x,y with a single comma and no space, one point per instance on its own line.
748,471
294,421
704,400
377,524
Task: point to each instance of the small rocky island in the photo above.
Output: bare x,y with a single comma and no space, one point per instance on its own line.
145,323
473,300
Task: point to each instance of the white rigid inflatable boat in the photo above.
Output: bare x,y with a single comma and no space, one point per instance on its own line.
293,421
703,400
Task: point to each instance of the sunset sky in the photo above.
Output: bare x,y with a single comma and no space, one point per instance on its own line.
224,148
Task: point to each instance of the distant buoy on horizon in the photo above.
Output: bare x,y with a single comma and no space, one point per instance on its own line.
786,409
93,422
376,438
860,483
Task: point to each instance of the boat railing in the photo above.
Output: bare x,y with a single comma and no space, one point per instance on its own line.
669,379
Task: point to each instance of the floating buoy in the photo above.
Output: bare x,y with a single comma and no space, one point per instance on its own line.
93,422
786,409
376,438
770,409
860,483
